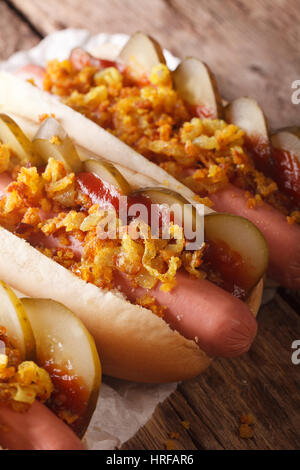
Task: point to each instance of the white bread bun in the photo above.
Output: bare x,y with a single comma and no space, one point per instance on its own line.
134,344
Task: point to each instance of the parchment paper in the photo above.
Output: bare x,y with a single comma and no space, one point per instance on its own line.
59,44
123,407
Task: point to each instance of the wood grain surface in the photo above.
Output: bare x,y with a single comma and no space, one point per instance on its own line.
15,34
253,47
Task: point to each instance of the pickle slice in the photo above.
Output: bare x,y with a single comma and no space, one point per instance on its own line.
183,210
287,139
14,318
108,173
247,114
13,136
140,54
52,141
64,346
197,86
243,238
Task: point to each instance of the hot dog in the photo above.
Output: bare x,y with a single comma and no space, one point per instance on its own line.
41,402
199,310
131,82
36,429
135,343
221,324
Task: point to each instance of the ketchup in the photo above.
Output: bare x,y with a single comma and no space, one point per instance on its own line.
80,59
261,152
280,165
202,111
70,394
106,196
220,258
286,173
100,192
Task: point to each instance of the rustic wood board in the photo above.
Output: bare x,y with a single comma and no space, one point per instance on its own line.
15,34
253,47
227,35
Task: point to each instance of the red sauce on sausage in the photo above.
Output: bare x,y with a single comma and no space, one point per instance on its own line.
221,260
80,59
106,196
70,394
280,165
202,111
99,191
286,173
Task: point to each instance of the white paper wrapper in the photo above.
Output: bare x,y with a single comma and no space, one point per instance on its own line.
59,44
123,407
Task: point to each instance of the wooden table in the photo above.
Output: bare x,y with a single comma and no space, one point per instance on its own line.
253,47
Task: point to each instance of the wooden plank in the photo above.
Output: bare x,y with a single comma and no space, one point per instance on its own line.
167,419
292,297
251,46
15,33
263,382
115,16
